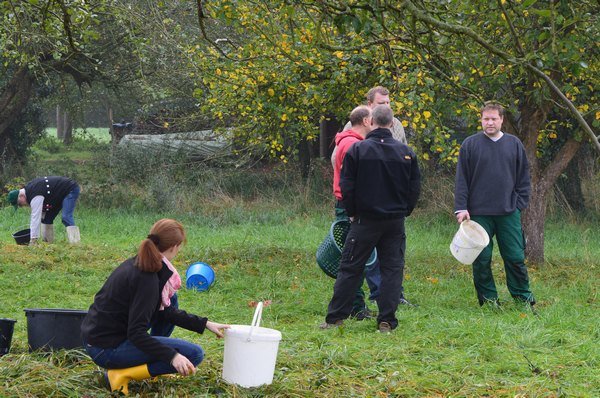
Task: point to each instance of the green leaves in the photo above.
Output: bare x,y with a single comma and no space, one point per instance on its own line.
357,25
543,13
529,3
544,35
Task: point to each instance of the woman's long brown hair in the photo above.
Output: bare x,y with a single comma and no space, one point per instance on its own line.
164,234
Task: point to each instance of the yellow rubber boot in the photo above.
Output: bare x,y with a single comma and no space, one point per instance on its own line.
119,378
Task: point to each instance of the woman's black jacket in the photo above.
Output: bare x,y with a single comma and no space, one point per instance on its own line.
126,307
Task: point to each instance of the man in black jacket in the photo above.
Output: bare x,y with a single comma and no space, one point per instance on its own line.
380,186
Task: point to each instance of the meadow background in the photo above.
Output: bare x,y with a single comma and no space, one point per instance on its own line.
259,229
282,75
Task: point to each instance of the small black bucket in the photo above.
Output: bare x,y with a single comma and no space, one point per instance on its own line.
7,326
54,329
22,237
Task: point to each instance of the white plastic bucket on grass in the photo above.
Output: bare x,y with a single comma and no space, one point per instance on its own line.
250,353
469,241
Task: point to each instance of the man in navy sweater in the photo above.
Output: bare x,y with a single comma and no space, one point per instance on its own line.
380,185
492,188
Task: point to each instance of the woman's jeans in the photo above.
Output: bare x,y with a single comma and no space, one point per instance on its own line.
126,355
162,327
68,207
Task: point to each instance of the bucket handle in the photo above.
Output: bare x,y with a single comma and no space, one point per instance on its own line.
255,320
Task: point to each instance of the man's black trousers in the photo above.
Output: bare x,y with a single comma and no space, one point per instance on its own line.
389,238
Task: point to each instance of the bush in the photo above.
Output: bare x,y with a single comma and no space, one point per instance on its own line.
49,144
171,182
135,164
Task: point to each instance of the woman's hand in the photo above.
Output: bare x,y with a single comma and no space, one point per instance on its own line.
217,328
183,365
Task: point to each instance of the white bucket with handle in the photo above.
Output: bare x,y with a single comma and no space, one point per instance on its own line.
469,241
250,353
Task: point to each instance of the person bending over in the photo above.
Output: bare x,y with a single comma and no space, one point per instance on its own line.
47,196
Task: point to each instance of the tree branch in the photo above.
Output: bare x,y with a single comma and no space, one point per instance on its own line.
213,44
558,164
582,123
512,29
66,20
372,43
461,30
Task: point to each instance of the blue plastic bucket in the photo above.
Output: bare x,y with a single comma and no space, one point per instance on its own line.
199,276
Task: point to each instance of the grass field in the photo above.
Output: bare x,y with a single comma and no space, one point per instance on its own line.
447,347
101,134
51,150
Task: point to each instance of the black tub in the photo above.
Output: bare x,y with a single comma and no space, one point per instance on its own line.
7,326
54,329
22,237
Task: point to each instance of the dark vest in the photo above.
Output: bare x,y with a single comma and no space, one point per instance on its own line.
53,189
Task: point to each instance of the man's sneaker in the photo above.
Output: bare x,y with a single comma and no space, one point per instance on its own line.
336,324
407,303
529,306
493,303
384,327
362,314
533,309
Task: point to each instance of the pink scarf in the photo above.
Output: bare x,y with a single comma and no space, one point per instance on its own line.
171,287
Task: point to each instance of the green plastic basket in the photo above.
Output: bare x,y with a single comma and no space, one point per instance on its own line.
330,251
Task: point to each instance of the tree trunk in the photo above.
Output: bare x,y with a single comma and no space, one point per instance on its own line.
534,218
60,123
529,124
13,99
570,185
587,162
328,127
68,129
542,182
304,158
532,119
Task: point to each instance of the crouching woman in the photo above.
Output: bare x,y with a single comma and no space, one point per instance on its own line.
115,330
